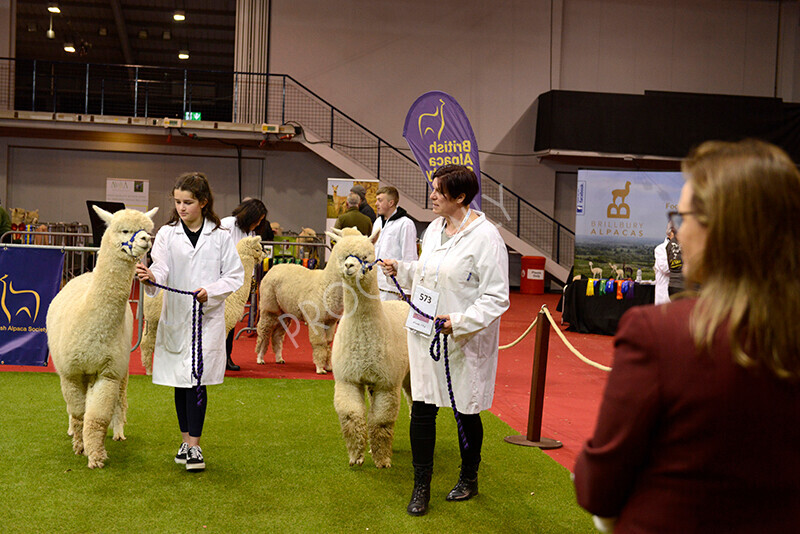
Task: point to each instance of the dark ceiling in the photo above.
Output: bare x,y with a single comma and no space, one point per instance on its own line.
113,31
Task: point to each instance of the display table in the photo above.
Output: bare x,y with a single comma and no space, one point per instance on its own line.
600,314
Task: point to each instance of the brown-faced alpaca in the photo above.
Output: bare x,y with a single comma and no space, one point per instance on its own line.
370,356
292,292
89,331
250,252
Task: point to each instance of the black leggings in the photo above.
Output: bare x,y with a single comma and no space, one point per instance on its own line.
423,435
190,415
229,343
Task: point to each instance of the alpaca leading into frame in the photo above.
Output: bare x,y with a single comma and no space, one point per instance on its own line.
250,252
370,356
292,292
89,331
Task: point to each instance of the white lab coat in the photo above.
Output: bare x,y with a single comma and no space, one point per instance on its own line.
661,269
214,265
397,241
473,289
229,223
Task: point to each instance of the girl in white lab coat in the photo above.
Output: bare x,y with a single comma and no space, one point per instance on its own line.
191,253
462,273
247,220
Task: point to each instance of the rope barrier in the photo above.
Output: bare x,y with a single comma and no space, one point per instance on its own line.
572,349
520,338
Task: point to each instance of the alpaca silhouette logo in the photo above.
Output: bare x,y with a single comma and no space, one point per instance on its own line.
8,287
618,209
431,121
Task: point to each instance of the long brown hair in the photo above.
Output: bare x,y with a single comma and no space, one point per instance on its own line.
197,184
747,195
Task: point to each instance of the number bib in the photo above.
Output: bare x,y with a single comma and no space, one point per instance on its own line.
426,300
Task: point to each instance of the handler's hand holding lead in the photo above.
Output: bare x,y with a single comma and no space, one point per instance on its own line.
201,295
447,327
389,267
143,273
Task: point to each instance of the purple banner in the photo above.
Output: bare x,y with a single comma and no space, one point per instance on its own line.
439,133
29,279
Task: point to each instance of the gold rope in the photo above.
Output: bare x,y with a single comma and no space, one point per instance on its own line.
572,349
520,338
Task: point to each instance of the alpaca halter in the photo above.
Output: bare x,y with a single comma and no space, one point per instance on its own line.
197,335
129,242
435,342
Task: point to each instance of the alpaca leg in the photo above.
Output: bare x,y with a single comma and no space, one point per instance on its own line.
329,333
278,333
382,416
263,331
407,389
148,345
100,404
348,400
320,350
74,392
121,411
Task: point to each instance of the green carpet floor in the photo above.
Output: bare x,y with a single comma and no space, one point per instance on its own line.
276,462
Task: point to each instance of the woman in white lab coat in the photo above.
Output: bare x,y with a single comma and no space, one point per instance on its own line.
247,220
192,253
462,278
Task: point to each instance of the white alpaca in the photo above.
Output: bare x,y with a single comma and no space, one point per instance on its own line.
250,252
370,355
619,272
89,330
292,292
597,272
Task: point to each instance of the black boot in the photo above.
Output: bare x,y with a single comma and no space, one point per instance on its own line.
467,485
421,495
230,366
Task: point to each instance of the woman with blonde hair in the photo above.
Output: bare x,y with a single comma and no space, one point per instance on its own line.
700,422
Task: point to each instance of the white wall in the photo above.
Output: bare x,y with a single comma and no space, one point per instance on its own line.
58,176
373,58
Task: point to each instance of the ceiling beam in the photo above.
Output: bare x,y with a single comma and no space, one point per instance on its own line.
123,32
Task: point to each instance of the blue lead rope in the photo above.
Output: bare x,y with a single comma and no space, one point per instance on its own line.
197,336
435,349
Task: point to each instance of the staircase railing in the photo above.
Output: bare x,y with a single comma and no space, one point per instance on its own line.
241,97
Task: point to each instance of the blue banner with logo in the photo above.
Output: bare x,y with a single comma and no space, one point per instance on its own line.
29,279
438,132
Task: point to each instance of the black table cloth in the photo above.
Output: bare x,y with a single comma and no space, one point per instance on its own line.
600,314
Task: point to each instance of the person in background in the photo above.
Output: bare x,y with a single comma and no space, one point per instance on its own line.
463,273
675,263
191,253
353,217
363,205
397,239
700,419
248,219
661,267
5,223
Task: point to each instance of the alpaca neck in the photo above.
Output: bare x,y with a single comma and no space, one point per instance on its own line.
249,264
363,296
111,283
333,297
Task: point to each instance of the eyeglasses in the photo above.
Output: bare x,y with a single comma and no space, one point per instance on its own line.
676,218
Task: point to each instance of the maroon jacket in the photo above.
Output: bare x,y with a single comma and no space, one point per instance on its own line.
688,442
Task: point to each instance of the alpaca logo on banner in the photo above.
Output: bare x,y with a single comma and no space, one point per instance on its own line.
29,280
438,132
619,210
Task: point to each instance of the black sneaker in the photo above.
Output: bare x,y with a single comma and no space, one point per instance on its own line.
180,458
194,459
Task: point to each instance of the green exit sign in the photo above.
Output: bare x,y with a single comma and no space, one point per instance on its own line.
192,116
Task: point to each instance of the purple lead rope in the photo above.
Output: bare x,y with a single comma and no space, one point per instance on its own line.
197,335
436,342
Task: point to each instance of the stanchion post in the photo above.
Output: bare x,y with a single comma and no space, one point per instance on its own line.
534,438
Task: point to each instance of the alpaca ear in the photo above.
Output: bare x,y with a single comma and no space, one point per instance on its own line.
334,236
337,231
150,214
103,214
374,237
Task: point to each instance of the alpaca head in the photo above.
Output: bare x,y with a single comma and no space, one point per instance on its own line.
250,247
127,233
350,242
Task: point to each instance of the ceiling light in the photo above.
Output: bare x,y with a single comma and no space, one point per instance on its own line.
183,54
179,15
50,33
166,35
142,34
69,47
52,7
102,31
